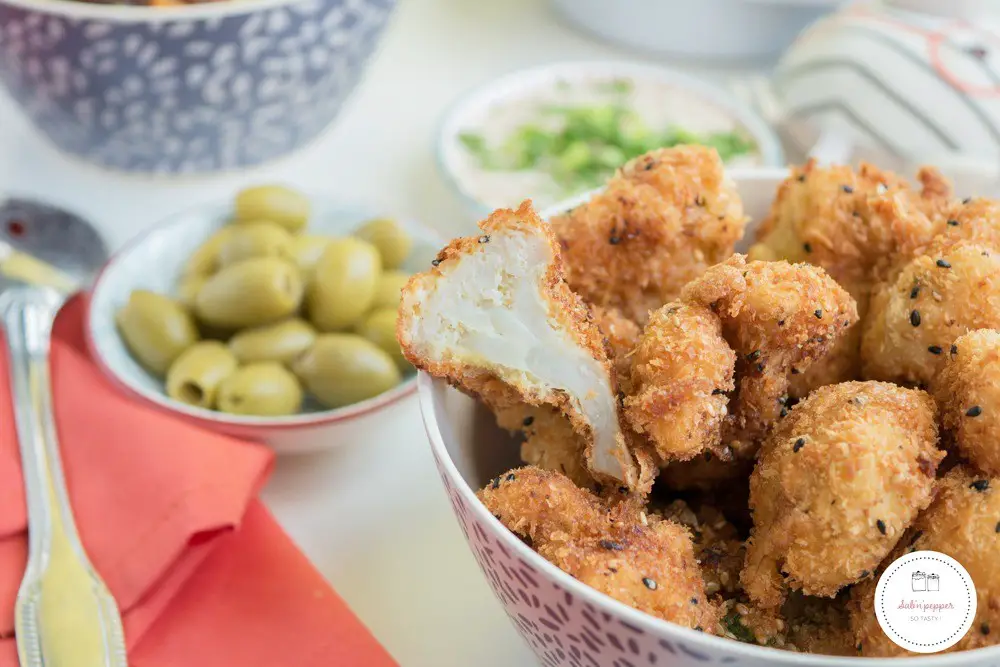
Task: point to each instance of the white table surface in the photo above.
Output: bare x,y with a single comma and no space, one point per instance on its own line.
372,517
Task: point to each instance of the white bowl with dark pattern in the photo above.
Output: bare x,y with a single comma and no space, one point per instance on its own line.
187,89
566,623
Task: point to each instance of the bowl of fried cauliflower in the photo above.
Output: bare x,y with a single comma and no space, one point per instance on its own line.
691,417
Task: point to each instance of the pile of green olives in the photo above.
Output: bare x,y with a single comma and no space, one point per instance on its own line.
266,314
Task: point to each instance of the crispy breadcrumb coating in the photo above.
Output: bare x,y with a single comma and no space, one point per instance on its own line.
968,394
850,223
830,497
622,335
779,318
681,371
662,220
961,523
496,319
951,288
612,548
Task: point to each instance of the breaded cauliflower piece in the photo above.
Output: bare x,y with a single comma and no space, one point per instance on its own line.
662,220
496,319
681,371
961,523
613,548
850,223
779,318
951,288
830,497
968,394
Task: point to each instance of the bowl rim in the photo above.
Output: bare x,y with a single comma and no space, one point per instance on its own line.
426,385
210,418
79,10
515,83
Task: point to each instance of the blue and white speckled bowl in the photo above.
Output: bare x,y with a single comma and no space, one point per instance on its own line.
190,89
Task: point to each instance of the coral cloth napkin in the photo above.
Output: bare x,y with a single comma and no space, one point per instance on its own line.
203,574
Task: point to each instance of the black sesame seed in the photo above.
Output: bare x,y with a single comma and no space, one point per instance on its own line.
694,600
496,483
967,200
944,264
795,371
864,573
858,647
915,318
954,349
953,223
649,583
698,628
974,411
915,292
781,323
528,421
511,477
880,524
611,545
980,485
984,628
708,455
622,489
717,392
760,367
847,188
435,262
484,239
934,349
799,444
818,313
614,240
807,247
753,356
783,413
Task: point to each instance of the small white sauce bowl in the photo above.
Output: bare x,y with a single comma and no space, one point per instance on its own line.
153,261
472,109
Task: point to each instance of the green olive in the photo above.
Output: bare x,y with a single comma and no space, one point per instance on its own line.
188,287
195,376
156,329
255,239
276,203
204,261
265,389
279,342
342,287
387,291
392,241
306,251
250,293
379,327
340,369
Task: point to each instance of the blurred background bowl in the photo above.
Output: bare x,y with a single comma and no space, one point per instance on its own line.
185,89
167,247
711,29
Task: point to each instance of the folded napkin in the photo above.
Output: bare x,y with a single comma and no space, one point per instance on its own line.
201,571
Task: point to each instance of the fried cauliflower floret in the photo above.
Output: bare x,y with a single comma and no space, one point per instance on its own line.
496,319
681,370
830,496
662,220
968,394
779,318
961,523
849,223
948,290
612,548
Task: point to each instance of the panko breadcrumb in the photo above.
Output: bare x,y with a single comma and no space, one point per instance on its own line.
495,317
951,288
613,548
964,523
968,394
830,498
662,220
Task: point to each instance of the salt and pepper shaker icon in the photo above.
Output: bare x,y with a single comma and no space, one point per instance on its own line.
933,582
918,581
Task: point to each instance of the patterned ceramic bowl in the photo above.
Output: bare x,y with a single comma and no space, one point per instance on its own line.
167,247
198,88
566,623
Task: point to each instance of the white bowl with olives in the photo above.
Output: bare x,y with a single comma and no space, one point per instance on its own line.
269,317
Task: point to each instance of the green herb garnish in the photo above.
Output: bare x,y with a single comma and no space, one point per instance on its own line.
734,625
581,147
